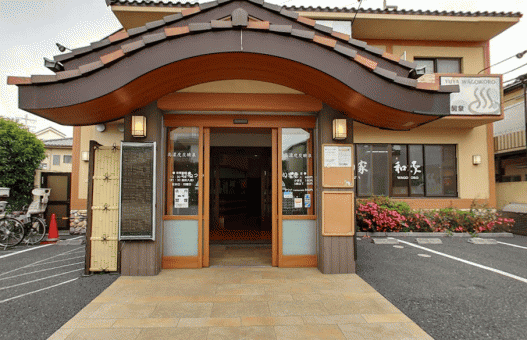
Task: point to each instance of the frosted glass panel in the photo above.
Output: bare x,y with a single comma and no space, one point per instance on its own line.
299,237
180,238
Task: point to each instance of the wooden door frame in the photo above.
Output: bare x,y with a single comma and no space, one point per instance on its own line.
205,122
44,181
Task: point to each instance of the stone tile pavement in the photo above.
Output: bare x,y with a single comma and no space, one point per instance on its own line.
236,302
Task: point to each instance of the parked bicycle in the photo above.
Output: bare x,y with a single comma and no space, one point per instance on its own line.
28,226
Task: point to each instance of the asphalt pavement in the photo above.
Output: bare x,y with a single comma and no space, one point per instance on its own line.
448,298
42,287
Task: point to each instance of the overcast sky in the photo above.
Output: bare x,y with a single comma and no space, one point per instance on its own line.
30,29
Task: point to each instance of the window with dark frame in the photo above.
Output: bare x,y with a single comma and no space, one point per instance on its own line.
66,159
439,65
406,170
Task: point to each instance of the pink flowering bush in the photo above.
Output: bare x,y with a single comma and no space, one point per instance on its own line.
380,214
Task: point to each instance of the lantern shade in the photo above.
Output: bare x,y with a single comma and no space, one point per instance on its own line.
476,159
339,129
138,126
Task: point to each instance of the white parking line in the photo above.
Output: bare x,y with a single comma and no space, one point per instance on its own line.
512,245
38,271
39,290
467,262
45,263
23,251
44,278
49,258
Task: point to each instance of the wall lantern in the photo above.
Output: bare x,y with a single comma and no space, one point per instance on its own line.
339,129
85,156
139,126
100,127
476,159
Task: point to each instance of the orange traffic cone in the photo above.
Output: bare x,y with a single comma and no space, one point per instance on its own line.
53,232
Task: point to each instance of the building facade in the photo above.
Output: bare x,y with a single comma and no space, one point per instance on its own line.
247,121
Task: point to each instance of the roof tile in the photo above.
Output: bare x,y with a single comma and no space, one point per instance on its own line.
385,73
88,68
207,5
345,51
154,24
281,28
357,43
118,36
220,24
341,36
37,78
136,30
65,56
127,48
262,25
11,80
365,61
174,31
289,14
258,2
272,7
223,1
239,17
153,38
100,44
374,50
325,41
66,75
196,27
306,21
173,17
303,34
324,29
406,81
111,57
190,11
81,50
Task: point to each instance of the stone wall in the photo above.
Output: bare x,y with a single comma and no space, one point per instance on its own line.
78,222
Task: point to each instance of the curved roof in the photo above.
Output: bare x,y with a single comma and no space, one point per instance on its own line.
112,77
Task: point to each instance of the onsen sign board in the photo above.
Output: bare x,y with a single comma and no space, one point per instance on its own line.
476,96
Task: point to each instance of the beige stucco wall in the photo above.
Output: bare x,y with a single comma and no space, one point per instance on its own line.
49,135
513,192
473,180
48,164
108,137
472,57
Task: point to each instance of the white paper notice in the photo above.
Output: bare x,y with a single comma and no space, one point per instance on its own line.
298,203
337,157
331,156
180,198
344,157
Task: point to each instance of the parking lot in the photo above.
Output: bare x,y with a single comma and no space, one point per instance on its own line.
454,290
42,287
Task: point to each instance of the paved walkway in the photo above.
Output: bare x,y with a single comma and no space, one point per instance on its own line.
240,303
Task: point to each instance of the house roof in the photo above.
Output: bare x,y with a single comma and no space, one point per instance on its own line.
105,74
58,143
50,129
178,4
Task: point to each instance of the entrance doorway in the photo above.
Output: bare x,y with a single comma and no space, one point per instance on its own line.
240,229
59,198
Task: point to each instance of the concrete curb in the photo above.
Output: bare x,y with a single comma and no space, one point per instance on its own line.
426,234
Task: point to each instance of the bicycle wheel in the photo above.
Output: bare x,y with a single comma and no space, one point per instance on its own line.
11,232
35,231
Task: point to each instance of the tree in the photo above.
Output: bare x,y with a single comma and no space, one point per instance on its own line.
20,155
